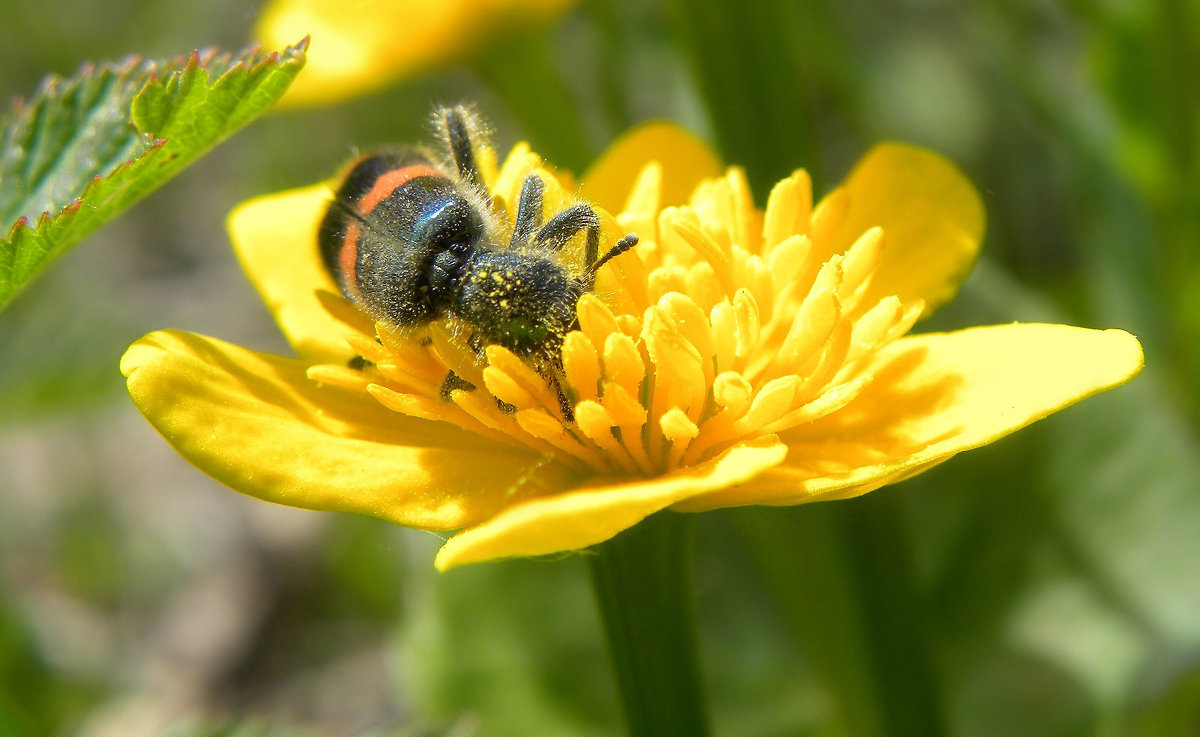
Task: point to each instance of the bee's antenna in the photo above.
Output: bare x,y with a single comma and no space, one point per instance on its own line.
621,246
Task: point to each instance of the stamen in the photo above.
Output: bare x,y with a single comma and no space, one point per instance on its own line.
411,377
830,276
482,407
454,353
629,415
858,266
344,377
677,426
597,424
406,348
829,402
732,392
746,221
773,401
788,260
624,280
506,389
755,275
810,329
630,325
703,286
520,372
416,405
724,331
831,360
595,319
679,371
366,347
788,210
540,424
641,207
666,279
686,225
903,322
745,312
581,365
686,316
679,429
623,362
829,215
626,410
872,326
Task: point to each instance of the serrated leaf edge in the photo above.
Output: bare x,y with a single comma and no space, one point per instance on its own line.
197,60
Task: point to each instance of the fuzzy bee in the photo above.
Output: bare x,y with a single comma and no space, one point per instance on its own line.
411,240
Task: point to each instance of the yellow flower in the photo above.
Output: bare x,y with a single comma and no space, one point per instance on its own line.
735,356
361,46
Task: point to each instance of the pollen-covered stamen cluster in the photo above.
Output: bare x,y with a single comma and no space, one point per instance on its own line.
724,324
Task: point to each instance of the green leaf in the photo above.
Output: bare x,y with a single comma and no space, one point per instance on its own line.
85,149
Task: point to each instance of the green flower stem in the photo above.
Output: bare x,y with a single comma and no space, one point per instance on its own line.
843,579
643,584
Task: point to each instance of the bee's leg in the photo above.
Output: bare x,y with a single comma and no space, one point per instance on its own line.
454,381
566,224
627,242
563,226
451,383
564,404
458,123
529,211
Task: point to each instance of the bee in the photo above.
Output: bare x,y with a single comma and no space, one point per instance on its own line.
410,240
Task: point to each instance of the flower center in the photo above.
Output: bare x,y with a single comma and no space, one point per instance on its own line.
723,325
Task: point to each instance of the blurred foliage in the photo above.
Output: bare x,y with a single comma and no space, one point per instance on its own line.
1047,585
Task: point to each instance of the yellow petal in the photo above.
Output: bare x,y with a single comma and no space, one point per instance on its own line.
685,160
255,423
934,396
275,238
932,219
361,46
593,514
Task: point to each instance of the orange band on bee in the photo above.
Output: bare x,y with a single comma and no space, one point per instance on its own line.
391,181
348,261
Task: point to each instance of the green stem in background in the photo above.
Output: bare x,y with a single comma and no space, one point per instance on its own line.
841,572
643,584
615,74
1175,113
524,73
763,70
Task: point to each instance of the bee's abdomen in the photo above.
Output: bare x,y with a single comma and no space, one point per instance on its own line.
370,199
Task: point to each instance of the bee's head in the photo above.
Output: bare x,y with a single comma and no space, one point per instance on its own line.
522,301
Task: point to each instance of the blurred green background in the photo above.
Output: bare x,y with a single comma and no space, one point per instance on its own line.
1048,584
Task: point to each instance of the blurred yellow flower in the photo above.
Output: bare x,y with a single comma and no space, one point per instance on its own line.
362,45
735,356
